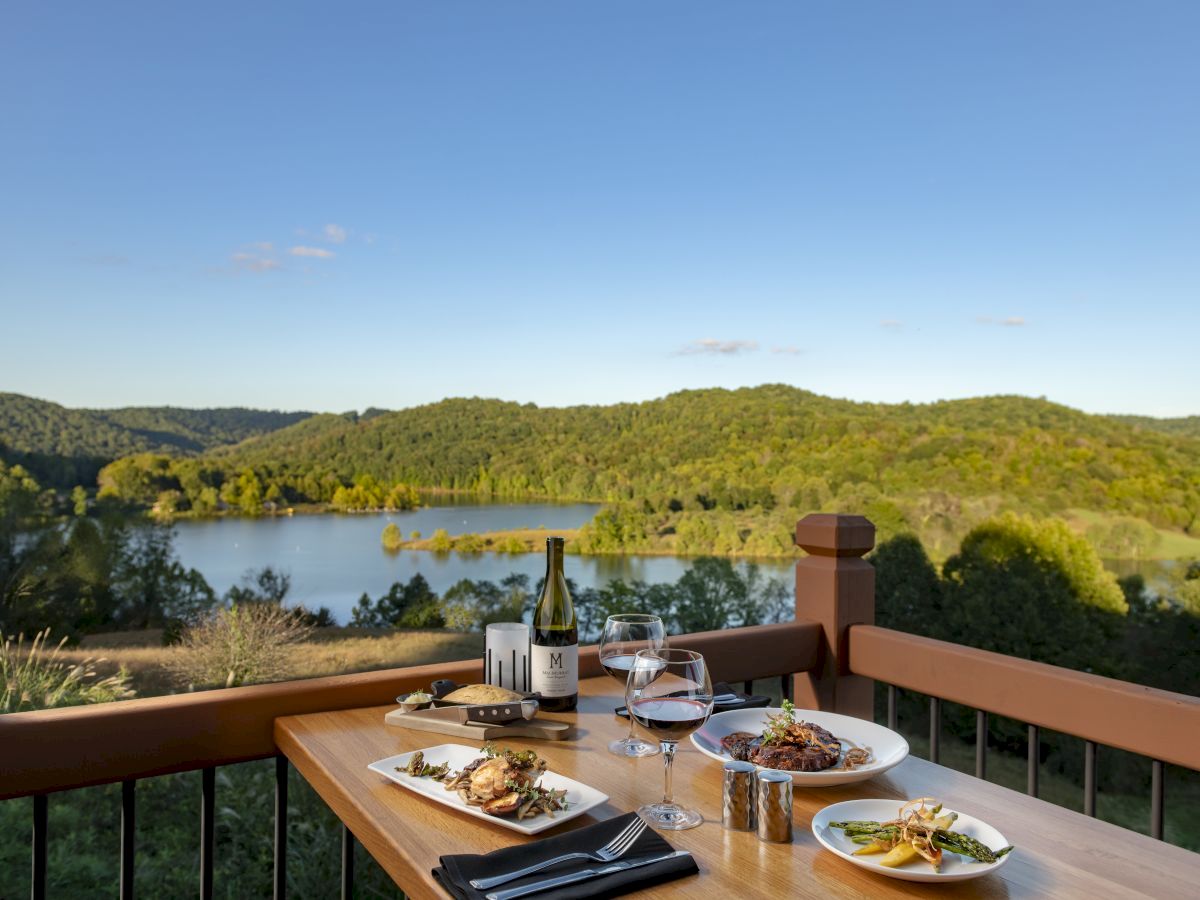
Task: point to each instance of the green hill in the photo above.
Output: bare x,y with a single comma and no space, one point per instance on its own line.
770,451
64,447
1186,426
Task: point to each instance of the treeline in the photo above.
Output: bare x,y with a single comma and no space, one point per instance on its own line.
172,485
64,447
78,569
713,594
1035,590
927,467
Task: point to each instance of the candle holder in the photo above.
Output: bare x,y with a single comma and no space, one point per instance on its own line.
506,657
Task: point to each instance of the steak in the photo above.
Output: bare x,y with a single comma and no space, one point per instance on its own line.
789,757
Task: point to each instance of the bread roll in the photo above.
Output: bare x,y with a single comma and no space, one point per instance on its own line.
482,693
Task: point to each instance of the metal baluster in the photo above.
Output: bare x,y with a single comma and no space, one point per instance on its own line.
281,791
128,838
935,728
347,863
891,700
1033,757
1156,799
208,796
1089,778
981,736
40,824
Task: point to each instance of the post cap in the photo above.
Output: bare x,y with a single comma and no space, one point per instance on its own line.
834,534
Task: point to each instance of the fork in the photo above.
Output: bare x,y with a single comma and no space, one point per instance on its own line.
613,850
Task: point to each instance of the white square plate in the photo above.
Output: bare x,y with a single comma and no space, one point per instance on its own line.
580,798
954,867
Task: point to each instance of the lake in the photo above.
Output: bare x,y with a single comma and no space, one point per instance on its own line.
332,559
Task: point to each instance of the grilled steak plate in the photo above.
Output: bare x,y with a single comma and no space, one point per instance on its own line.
736,735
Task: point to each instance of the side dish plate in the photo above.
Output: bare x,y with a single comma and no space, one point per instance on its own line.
954,867
887,748
580,798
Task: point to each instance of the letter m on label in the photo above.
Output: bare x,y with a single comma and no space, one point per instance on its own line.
556,661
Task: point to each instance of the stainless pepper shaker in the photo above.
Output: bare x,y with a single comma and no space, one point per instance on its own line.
774,806
737,796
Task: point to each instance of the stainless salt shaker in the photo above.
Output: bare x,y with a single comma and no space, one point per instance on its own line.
737,797
774,806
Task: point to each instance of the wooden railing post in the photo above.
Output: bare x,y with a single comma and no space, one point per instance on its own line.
835,587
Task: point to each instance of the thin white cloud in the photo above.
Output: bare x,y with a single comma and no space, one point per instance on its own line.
335,234
787,351
315,252
891,324
254,262
1010,322
713,346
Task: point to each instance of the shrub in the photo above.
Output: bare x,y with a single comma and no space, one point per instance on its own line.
40,680
392,538
239,644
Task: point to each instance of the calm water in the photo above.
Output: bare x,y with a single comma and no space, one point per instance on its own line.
333,559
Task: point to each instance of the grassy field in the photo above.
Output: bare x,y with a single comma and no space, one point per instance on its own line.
330,651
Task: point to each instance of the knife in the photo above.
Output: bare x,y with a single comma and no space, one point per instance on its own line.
547,884
489,714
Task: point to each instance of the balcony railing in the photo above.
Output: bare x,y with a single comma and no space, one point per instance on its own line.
829,658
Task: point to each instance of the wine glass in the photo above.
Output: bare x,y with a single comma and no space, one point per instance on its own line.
669,694
623,637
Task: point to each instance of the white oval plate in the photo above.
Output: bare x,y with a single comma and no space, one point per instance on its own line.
954,867
580,798
887,748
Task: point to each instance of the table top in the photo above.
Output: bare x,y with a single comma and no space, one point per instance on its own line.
1058,852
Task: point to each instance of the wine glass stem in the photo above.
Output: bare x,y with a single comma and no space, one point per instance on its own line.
668,752
632,736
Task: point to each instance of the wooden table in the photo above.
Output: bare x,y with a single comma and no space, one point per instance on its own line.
1058,853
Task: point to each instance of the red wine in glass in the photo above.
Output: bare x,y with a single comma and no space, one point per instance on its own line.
670,719
624,635
669,693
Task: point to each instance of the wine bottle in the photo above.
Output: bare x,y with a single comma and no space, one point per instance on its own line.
554,650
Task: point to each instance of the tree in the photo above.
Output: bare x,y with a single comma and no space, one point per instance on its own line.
1035,590
392,538
79,500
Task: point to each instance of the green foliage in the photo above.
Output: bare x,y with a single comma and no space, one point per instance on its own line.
411,605
1124,538
725,471
441,542
35,678
64,447
392,538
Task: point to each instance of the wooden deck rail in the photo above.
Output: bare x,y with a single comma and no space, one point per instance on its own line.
1157,724
60,749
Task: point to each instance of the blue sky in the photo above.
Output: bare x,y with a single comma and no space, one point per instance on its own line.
336,206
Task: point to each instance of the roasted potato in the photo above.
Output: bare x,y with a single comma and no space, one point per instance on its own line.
902,853
503,806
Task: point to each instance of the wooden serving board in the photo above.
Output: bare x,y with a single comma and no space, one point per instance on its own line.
546,729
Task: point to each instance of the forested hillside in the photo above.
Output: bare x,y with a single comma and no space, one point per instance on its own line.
743,457
65,447
1187,426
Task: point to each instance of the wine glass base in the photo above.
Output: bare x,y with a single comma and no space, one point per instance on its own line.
670,816
633,748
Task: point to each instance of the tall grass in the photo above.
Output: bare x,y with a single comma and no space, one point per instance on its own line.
39,678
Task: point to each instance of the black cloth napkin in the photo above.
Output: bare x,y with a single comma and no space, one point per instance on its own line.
747,701
455,872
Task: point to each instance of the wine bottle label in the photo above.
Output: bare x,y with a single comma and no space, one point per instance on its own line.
555,670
